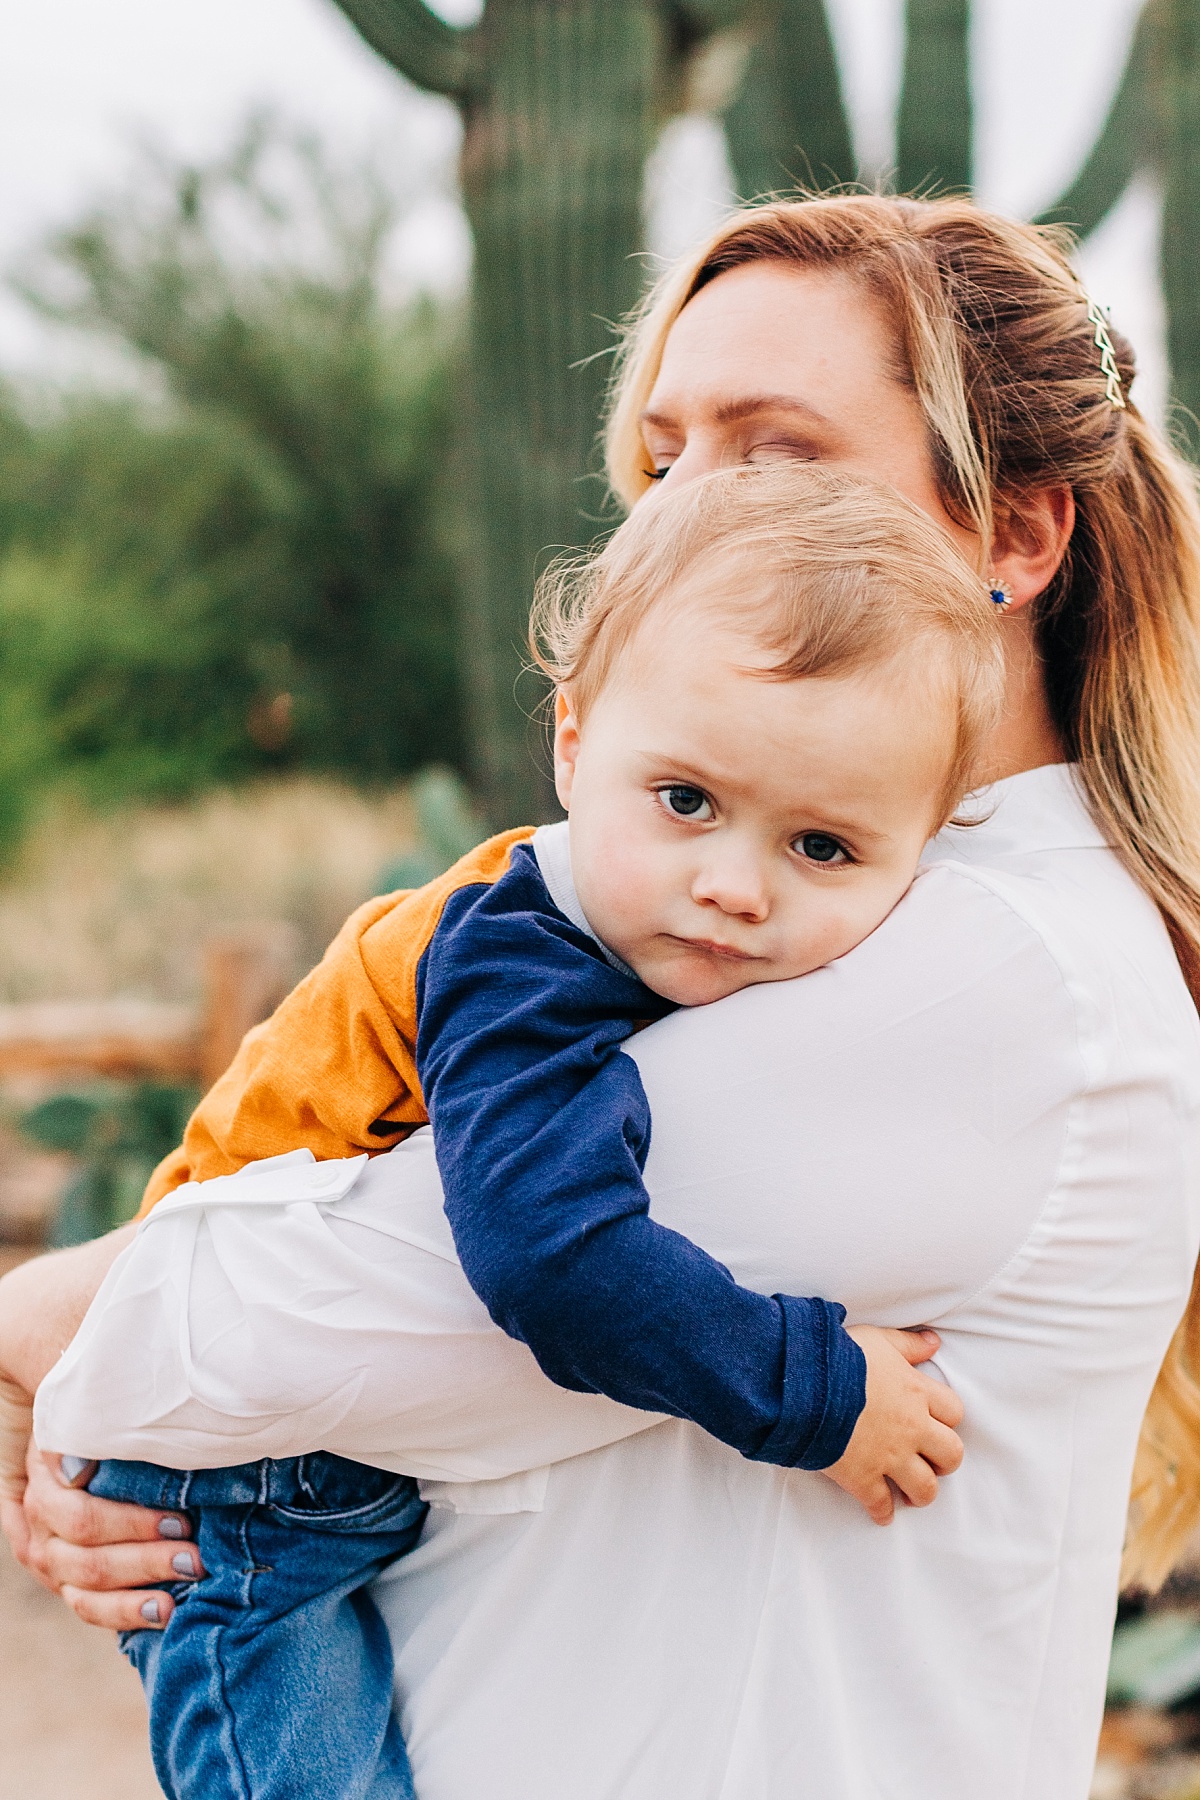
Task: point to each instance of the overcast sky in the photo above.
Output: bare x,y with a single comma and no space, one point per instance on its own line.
79,79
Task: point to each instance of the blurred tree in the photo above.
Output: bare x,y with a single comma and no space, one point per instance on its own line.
250,572
1153,125
561,102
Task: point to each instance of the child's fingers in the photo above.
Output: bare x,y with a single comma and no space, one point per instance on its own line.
873,1494
944,1404
879,1502
916,1481
914,1346
941,1448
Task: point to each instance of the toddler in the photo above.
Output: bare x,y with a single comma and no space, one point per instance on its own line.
771,687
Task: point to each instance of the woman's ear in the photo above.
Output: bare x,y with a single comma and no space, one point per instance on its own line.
1028,545
566,748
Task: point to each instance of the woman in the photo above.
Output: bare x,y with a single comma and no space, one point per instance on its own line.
984,1118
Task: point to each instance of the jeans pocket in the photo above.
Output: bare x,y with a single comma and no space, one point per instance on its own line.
395,1505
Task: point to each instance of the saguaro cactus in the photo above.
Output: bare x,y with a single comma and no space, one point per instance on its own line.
561,102
933,129
1154,124
787,123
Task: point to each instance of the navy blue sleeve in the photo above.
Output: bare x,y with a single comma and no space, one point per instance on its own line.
541,1127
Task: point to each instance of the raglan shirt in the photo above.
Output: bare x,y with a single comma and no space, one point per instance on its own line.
486,1003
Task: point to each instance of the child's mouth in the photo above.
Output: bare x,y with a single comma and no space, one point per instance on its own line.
710,947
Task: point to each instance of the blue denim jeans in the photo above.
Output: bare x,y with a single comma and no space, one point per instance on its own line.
273,1677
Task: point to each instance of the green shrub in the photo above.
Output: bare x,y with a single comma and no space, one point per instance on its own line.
120,1133
250,570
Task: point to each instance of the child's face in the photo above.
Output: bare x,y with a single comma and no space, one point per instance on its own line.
727,829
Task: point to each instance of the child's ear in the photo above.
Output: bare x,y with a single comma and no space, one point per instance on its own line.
566,747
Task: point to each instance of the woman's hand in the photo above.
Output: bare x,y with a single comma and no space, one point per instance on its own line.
905,1437
99,1555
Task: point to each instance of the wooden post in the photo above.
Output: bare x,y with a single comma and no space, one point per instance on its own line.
247,973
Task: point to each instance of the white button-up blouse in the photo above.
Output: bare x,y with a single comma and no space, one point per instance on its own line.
985,1118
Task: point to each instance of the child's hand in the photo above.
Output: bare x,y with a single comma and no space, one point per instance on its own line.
904,1433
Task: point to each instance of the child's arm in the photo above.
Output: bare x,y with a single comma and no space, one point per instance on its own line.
332,1070
542,1126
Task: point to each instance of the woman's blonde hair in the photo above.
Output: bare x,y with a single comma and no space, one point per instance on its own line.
993,334
826,574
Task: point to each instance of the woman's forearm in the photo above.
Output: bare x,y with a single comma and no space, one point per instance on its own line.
265,1315
42,1304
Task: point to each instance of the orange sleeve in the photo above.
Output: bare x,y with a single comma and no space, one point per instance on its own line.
333,1070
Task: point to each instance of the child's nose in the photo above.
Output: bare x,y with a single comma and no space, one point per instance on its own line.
734,884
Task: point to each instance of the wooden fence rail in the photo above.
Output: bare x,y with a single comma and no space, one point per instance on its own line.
246,974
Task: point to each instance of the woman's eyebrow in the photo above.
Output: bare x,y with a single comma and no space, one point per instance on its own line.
727,412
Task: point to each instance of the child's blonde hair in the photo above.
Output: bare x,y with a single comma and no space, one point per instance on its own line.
824,572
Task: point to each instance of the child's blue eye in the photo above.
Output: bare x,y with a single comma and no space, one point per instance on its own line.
819,848
685,802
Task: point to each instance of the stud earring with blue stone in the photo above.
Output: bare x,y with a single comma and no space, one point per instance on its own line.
999,593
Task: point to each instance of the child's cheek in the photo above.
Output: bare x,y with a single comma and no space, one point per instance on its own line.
849,918
630,875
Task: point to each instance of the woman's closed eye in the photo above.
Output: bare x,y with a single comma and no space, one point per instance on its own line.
773,450
818,847
685,802
766,450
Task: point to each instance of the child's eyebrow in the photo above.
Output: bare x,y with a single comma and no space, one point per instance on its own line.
853,829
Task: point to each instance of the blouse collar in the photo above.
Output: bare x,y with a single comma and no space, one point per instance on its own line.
1040,809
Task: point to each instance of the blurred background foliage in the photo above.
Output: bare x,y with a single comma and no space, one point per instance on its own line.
247,566
119,1132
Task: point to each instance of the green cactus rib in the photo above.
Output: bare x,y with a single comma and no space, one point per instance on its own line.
415,41
1122,146
1153,124
933,129
552,173
1175,123
788,123
704,16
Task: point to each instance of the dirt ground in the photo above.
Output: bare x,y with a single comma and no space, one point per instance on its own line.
72,1719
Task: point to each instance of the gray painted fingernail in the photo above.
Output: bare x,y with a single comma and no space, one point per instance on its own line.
184,1563
172,1528
73,1467
149,1610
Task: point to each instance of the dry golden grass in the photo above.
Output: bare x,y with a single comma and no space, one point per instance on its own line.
120,904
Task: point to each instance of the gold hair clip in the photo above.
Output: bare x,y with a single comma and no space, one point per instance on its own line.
1108,360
